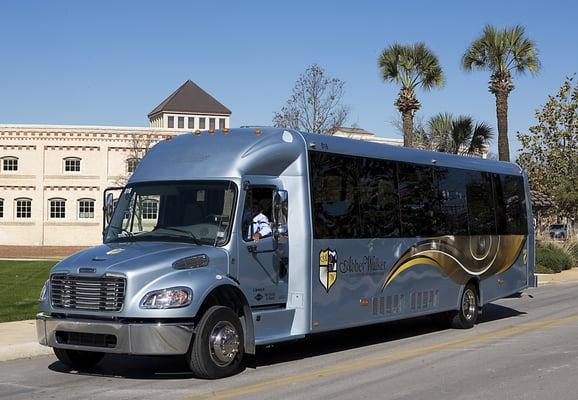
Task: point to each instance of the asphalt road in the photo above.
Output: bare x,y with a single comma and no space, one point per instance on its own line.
525,348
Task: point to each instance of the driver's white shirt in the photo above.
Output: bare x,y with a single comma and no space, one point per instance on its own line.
260,225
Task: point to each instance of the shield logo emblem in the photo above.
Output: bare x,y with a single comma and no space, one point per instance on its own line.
327,268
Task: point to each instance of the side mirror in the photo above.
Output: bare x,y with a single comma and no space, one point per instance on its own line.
109,207
280,210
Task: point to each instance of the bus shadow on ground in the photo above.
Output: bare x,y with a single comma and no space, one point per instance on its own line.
142,367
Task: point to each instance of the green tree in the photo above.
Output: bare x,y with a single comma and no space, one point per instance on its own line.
410,67
502,52
460,135
550,150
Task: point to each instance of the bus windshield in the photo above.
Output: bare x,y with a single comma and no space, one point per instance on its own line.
199,212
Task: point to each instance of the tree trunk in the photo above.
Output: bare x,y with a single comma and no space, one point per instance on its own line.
408,128
502,115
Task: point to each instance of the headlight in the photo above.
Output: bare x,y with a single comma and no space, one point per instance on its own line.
44,292
168,298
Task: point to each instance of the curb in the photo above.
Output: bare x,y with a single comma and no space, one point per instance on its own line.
23,350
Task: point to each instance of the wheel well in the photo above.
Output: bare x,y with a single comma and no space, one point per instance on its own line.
475,283
232,297
225,295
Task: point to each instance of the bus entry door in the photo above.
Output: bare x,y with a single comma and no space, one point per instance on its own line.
263,253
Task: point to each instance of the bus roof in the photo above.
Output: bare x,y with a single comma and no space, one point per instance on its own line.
228,154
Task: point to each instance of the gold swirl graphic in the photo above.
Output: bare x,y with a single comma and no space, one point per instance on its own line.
462,257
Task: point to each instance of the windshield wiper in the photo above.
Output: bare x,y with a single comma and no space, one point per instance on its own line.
191,234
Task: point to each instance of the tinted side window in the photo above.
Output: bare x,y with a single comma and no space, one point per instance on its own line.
451,211
416,199
481,214
511,197
334,195
378,199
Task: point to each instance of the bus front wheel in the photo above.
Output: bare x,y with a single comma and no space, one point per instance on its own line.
467,315
217,347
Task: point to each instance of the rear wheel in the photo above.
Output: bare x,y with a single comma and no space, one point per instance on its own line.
467,316
217,348
77,358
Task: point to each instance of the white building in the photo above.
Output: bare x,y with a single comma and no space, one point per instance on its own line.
362,134
52,177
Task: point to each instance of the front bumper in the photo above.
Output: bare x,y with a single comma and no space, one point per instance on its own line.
113,336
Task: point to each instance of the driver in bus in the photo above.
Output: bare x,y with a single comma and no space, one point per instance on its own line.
260,226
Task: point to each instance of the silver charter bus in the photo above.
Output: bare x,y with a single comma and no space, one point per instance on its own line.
226,240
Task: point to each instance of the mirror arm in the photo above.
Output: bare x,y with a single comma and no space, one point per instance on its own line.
252,248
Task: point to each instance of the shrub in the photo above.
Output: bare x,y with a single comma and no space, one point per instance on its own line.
571,246
553,257
540,269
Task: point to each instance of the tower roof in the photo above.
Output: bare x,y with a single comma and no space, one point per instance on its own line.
190,98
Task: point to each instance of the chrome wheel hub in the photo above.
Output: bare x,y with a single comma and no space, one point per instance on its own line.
223,343
469,304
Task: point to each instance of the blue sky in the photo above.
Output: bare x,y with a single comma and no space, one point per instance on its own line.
111,62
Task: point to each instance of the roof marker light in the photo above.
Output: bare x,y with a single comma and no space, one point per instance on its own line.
198,132
225,130
258,132
169,137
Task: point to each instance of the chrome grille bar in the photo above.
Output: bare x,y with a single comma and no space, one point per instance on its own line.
87,293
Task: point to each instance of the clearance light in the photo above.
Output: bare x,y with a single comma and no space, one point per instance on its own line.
258,132
198,132
169,137
225,130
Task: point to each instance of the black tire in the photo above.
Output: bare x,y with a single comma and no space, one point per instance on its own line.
206,358
78,359
467,316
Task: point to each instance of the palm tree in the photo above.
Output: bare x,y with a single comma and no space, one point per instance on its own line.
410,67
458,135
502,52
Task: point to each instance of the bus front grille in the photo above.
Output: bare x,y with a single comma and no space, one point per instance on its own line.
89,294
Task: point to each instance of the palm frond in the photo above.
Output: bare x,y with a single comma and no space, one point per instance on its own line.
411,66
501,51
461,132
481,137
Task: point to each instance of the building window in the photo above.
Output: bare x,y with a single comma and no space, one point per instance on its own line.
171,122
191,123
181,122
131,164
10,164
72,164
202,123
150,209
23,208
1,208
57,208
85,208
221,123
212,123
